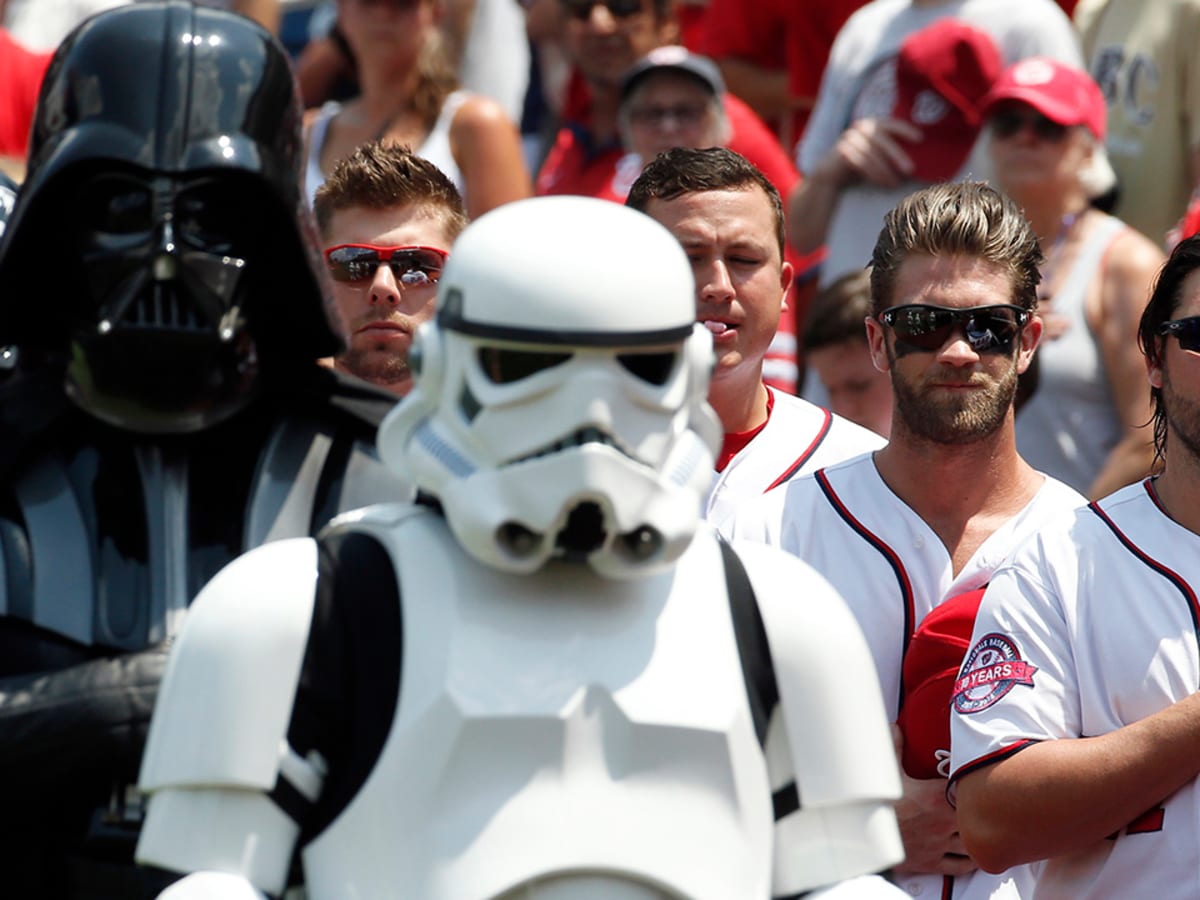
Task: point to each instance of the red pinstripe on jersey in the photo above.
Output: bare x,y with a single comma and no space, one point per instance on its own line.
804,457
893,560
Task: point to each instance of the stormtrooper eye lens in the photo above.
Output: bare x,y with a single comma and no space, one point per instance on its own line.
503,365
653,368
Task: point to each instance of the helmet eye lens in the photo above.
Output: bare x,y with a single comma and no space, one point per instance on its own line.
652,368
121,206
116,205
504,365
202,217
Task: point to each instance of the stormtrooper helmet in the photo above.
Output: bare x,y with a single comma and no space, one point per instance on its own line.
559,407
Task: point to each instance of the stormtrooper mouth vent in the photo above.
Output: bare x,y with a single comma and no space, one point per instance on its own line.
579,438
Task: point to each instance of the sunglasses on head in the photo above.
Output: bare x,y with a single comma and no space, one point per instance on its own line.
411,265
987,328
1008,122
1187,330
618,9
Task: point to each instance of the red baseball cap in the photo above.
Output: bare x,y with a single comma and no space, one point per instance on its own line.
931,666
943,73
1061,93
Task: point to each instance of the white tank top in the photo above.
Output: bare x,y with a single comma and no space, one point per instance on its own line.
1070,424
436,147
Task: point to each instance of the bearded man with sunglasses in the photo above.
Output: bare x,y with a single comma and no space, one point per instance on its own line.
1076,716
934,513
387,218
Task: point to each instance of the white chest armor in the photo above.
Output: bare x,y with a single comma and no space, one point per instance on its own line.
557,725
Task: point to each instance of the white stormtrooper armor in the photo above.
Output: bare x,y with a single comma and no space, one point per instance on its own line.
564,691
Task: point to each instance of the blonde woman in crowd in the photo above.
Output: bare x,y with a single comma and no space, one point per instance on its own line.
1086,422
409,94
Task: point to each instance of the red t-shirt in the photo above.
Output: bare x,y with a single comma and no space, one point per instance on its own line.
21,73
691,17
781,35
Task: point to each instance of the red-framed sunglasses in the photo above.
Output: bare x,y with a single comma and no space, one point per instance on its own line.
411,265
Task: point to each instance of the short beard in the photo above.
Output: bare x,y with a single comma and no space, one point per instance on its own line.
954,420
1183,417
382,370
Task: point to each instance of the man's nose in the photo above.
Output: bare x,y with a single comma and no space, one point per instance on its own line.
384,287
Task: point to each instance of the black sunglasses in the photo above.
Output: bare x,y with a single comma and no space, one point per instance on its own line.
1187,330
1009,122
618,9
988,328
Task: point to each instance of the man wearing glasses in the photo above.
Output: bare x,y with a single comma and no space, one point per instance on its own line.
387,219
1076,716
602,40
932,514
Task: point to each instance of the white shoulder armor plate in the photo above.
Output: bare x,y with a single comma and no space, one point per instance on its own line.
839,746
226,699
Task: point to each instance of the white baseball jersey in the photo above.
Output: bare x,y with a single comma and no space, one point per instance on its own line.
892,569
1091,626
798,439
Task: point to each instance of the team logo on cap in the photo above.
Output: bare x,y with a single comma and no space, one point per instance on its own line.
992,669
929,108
1033,71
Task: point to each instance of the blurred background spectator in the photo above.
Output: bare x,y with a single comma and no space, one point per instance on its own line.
1087,421
669,98
483,39
21,73
1143,54
834,343
854,165
42,24
772,54
549,75
602,41
408,94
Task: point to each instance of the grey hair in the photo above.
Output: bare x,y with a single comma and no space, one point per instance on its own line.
1096,176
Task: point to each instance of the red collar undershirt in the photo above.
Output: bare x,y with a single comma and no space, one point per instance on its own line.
735,441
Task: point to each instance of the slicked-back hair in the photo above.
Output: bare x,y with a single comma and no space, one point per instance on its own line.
384,175
966,218
683,170
1164,302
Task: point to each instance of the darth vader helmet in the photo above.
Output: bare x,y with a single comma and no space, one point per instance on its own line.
160,250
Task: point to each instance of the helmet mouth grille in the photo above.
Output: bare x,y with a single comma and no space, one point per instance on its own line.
579,438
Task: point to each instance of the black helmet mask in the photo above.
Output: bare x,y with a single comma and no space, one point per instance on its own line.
160,249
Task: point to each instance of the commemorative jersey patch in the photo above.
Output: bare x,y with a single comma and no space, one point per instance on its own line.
992,668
